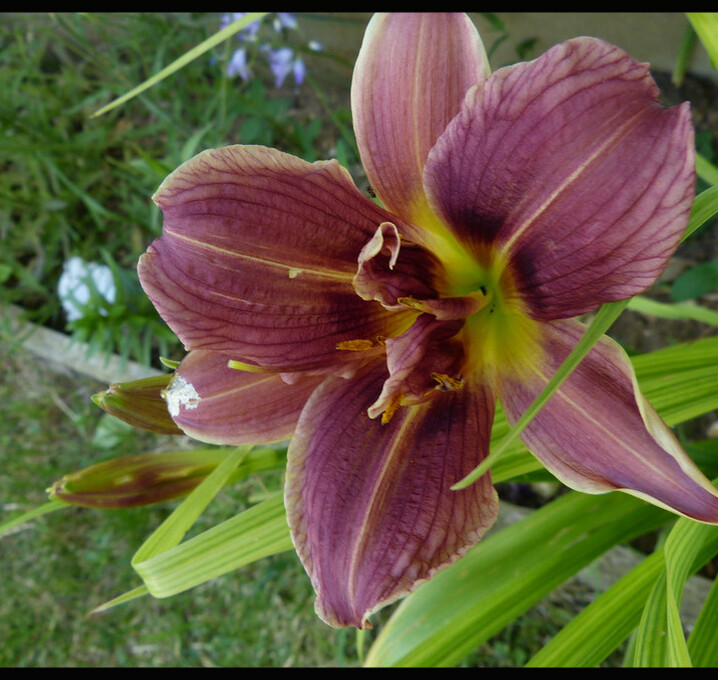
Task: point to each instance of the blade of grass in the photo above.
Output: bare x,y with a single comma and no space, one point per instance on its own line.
7,526
185,59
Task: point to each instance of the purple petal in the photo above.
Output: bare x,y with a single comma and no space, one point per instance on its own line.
221,405
257,258
299,71
409,81
417,360
390,268
597,433
370,505
570,166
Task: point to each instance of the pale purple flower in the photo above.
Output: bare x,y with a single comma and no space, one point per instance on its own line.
237,65
284,20
248,32
282,60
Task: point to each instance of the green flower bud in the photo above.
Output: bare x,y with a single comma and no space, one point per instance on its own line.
139,403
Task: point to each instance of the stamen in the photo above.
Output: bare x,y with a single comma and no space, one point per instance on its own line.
391,408
446,383
249,368
413,303
449,308
360,345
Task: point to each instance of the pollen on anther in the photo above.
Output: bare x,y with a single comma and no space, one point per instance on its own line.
391,408
446,383
355,345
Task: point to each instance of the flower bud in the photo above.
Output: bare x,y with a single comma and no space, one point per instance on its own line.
147,478
131,481
139,403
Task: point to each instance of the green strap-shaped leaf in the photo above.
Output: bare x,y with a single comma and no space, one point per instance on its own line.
174,528
510,571
678,310
660,640
168,567
253,534
649,650
680,551
705,25
706,170
602,626
703,641
133,594
705,207
7,526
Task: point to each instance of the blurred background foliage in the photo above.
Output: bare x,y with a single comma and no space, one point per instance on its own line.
74,185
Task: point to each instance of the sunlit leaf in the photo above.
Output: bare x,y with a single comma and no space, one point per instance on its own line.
510,571
600,628
703,641
705,25
251,535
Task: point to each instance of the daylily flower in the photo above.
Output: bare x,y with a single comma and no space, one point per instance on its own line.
381,337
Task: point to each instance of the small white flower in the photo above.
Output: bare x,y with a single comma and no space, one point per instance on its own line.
73,289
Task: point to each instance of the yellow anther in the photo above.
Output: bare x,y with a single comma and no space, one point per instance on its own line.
412,303
360,345
390,410
446,383
355,345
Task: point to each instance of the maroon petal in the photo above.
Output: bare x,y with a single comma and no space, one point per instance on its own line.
370,505
257,258
597,433
570,166
390,268
409,80
221,405
423,359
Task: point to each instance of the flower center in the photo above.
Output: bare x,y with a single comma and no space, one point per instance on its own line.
500,337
